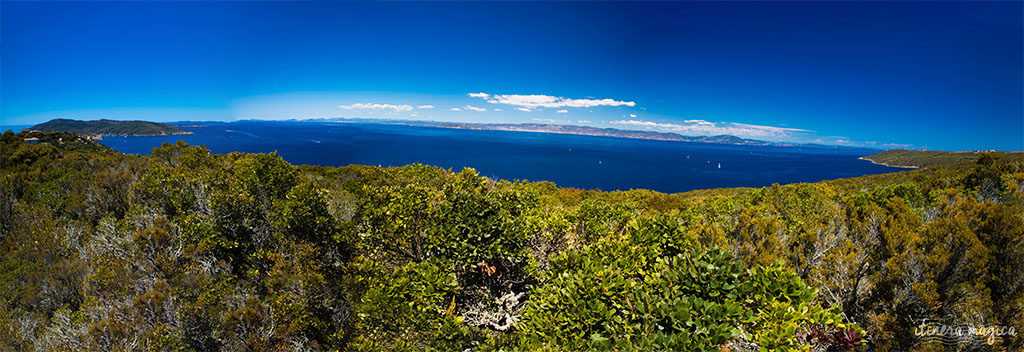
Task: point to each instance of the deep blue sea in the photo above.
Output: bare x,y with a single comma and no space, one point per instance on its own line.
568,160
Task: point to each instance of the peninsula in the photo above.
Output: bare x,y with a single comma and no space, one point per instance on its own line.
927,158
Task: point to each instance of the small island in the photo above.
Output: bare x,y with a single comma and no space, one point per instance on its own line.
95,129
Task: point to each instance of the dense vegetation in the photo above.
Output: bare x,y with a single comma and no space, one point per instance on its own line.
930,158
187,250
107,127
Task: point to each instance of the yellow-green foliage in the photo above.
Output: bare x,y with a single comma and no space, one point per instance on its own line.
930,158
656,289
187,250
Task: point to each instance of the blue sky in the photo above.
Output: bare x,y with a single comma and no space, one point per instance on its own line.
889,74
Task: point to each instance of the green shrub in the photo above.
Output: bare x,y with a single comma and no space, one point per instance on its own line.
651,290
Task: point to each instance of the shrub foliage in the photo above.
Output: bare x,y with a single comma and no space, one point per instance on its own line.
187,250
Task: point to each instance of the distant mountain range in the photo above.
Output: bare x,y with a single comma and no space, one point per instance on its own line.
108,127
594,131
146,128
590,131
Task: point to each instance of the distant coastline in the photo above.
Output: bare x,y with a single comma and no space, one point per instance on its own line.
587,131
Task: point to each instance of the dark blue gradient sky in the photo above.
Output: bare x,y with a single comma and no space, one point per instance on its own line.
884,74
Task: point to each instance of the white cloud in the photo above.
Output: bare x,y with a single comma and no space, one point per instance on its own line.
425,106
374,106
647,124
846,141
536,119
470,107
562,111
781,129
523,109
705,128
584,121
496,109
454,109
547,101
632,115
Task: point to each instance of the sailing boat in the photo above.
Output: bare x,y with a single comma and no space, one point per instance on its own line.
719,165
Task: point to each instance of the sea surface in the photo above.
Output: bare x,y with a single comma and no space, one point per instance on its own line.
586,162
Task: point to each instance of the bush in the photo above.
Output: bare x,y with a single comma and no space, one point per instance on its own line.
651,290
